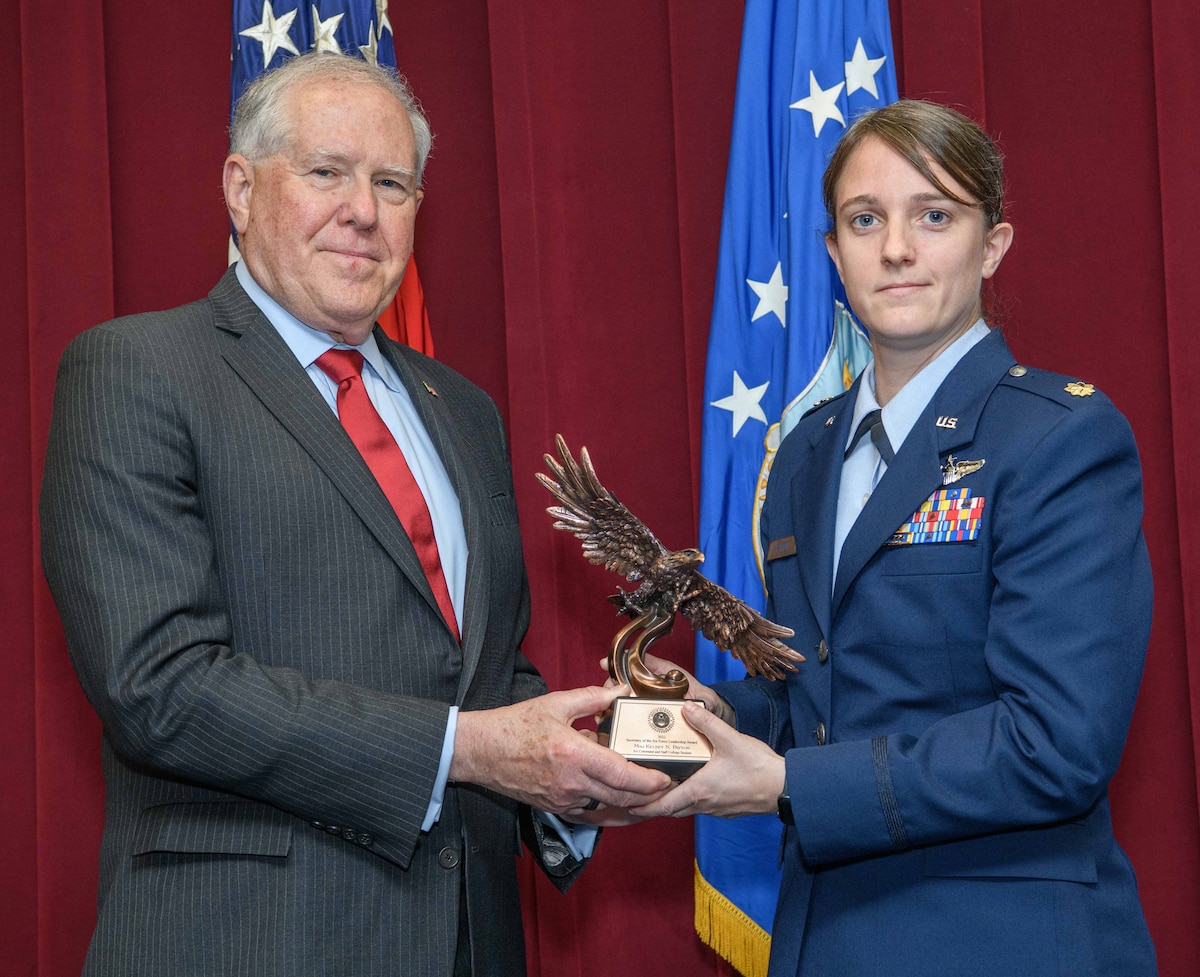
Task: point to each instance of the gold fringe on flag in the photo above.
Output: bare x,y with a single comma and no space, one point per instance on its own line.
729,931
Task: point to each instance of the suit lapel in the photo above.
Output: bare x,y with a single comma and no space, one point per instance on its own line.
916,471
262,359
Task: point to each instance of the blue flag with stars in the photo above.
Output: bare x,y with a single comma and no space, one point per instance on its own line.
265,32
781,339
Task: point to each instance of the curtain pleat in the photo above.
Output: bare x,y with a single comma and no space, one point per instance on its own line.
18,798
1171,819
940,51
67,249
568,246
594,173
1176,25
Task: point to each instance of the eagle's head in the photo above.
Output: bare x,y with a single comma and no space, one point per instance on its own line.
689,558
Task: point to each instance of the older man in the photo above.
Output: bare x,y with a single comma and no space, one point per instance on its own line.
286,555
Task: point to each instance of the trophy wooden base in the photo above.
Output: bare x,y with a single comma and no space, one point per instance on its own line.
652,733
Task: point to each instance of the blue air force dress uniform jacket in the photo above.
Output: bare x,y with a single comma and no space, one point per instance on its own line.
970,680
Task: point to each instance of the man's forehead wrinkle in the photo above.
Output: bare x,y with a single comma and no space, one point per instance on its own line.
322,154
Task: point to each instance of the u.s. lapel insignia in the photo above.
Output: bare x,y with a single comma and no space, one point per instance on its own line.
1077,388
950,423
829,422
425,384
954,469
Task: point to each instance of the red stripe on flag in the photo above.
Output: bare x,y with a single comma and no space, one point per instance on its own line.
406,320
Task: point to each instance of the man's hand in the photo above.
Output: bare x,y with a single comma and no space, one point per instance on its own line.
744,776
530,751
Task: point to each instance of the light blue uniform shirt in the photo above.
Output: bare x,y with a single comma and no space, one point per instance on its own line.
395,407
863,469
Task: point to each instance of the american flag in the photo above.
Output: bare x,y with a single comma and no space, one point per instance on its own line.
266,33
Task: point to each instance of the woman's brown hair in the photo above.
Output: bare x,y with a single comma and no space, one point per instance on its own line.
922,132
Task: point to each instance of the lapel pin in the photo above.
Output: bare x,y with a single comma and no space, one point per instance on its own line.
954,469
426,385
829,421
1079,389
947,422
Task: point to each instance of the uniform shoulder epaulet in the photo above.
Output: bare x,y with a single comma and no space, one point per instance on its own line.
821,403
1068,391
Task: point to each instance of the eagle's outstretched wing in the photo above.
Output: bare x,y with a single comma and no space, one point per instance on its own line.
611,534
734,626
615,537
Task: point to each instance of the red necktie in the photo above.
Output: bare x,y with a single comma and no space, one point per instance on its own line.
386,461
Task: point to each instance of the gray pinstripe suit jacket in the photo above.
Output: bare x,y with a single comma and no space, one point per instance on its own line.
250,621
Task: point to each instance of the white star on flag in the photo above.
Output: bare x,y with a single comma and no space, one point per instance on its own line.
772,296
822,103
370,50
323,31
860,71
272,33
743,403
382,17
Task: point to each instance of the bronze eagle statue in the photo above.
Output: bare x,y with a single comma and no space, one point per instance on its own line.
668,579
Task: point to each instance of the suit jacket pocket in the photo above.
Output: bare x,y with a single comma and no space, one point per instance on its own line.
502,509
214,828
932,558
1060,852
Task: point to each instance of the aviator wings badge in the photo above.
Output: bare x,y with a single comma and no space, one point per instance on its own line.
954,469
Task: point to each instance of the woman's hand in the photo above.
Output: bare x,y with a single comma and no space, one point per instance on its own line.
744,776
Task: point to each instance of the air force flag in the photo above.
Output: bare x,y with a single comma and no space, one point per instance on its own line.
781,339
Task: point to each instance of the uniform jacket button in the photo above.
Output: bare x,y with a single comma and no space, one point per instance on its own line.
448,858
822,651
820,731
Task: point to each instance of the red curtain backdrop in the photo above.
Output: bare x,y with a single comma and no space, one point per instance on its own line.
567,244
